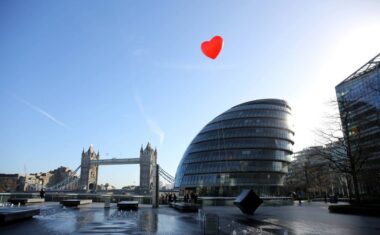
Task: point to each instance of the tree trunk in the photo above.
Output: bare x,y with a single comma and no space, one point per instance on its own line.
348,184
356,186
351,158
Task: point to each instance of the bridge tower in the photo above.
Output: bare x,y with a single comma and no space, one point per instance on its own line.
148,163
89,172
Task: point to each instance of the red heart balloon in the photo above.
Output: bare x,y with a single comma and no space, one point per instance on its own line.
213,47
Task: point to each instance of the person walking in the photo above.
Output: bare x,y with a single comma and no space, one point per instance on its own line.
42,193
170,197
186,197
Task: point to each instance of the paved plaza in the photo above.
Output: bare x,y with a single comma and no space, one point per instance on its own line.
307,218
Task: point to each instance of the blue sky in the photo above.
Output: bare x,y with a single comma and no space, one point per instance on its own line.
117,74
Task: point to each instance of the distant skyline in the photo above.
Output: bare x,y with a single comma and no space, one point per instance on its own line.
117,74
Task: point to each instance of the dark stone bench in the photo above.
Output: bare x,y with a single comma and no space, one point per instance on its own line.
128,205
8,215
75,202
25,201
369,210
186,207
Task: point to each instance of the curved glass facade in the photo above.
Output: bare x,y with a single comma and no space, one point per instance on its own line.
248,146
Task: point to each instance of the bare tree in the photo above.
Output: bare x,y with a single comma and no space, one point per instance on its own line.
343,143
320,179
310,173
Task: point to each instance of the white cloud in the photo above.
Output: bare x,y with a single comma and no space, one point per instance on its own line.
152,124
41,111
156,129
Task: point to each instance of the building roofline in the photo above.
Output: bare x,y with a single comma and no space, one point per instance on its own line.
265,101
366,68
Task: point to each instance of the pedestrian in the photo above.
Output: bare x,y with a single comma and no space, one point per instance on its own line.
174,198
192,197
42,193
186,197
162,199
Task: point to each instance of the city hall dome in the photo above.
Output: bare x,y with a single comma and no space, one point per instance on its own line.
247,147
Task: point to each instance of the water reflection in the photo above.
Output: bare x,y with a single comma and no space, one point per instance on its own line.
86,216
99,220
309,219
148,221
257,227
110,221
107,212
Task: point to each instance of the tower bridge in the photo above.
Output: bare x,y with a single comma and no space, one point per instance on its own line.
116,161
90,162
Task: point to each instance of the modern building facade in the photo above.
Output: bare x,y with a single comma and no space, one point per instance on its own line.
247,147
359,105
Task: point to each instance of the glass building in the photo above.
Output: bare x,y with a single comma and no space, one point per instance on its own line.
359,105
247,147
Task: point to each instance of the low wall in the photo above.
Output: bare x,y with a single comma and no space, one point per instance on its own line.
56,197
343,199
5,196
216,201
229,201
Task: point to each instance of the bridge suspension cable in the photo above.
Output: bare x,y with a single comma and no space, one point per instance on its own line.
166,176
71,182
162,171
